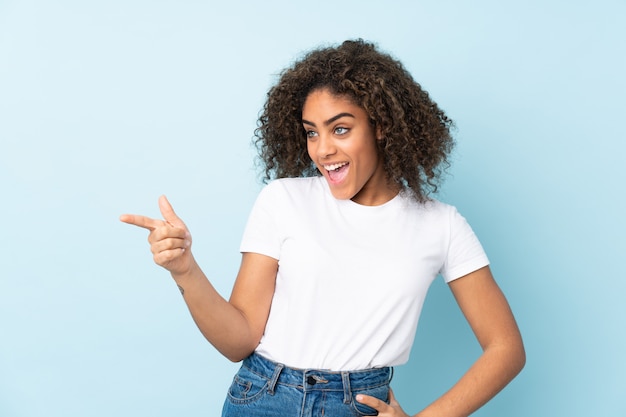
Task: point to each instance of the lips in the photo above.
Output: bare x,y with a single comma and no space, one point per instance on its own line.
337,172
333,167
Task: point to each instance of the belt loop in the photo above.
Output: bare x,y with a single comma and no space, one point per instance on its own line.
391,373
274,380
347,392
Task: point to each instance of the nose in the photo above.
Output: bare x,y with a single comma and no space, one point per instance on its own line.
325,146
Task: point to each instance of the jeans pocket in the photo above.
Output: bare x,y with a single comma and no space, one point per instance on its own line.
381,392
247,387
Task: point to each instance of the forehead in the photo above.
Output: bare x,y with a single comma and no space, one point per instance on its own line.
322,101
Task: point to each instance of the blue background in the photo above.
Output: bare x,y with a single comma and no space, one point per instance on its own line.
106,105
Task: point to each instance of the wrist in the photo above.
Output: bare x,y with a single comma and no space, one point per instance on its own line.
187,275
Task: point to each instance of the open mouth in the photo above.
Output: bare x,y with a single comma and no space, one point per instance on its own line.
337,172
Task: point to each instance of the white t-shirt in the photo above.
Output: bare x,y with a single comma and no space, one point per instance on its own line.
352,279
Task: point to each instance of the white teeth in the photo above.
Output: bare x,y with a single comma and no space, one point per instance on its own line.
334,166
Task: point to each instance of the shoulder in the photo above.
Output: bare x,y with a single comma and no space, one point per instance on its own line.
448,213
287,192
294,186
432,208
440,218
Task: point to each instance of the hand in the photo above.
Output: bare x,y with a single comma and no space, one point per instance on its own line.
170,240
384,409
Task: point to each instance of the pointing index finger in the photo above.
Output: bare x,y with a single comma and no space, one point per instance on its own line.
141,221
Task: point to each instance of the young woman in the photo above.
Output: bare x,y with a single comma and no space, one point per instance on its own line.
341,247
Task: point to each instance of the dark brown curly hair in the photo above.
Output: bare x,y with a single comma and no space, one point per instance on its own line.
416,133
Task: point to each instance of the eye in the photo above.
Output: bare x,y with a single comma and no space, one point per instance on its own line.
341,130
310,133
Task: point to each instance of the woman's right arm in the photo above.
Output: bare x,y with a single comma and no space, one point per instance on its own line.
234,327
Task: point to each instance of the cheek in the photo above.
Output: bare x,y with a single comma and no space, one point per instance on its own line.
368,151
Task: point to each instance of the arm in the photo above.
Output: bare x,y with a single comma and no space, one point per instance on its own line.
234,327
503,357
488,314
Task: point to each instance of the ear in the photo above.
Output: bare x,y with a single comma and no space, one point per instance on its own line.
379,133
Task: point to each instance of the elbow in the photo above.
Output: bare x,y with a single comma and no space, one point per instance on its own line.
236,349
234,359
520,358
237,355
516,357
510,355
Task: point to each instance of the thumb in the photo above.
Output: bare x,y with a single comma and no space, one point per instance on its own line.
168,213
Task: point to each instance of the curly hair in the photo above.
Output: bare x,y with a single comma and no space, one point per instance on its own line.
416,140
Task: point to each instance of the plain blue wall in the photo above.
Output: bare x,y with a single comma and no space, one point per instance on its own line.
106,105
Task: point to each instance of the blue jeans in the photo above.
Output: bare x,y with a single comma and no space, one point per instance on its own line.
268,389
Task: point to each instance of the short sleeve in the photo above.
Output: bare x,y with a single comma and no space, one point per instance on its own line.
465,253
262,233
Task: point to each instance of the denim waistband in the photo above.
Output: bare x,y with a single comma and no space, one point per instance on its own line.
314,379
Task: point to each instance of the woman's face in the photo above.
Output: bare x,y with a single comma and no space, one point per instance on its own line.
341,141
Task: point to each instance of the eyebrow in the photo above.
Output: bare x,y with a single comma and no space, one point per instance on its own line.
329,121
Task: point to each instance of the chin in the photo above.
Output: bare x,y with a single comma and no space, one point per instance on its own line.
342,195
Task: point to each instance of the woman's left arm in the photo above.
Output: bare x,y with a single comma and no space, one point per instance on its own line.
490,317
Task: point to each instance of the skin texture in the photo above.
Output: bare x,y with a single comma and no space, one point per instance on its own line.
337,131
234,327
488,313
414,132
